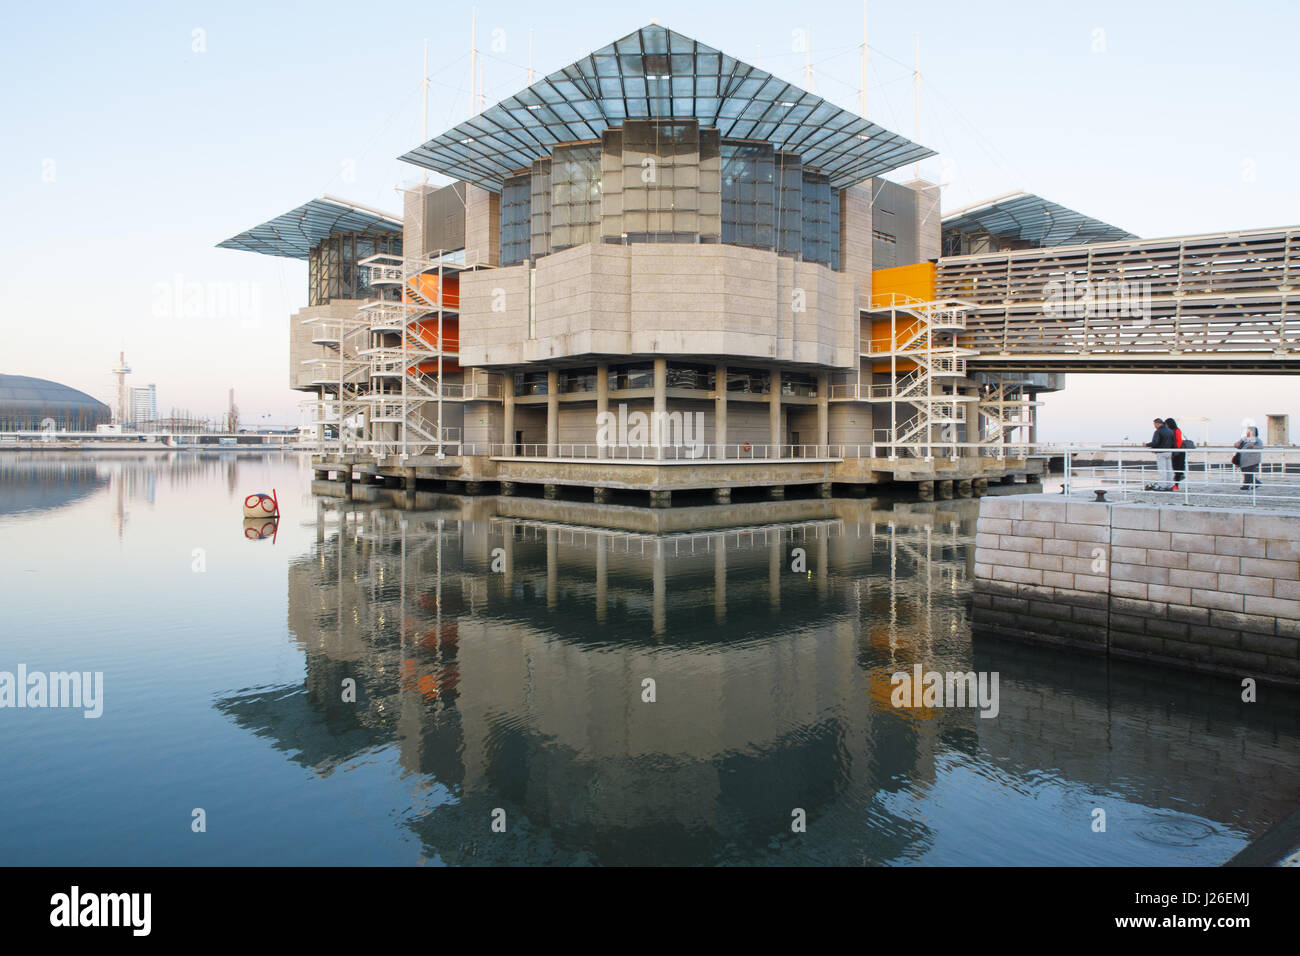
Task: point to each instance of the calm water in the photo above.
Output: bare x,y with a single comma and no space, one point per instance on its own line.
519,687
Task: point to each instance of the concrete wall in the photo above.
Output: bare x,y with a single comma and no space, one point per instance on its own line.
850,423
413,214
1216,590
301,348
929,232
660,299
482,226
855,237
484,422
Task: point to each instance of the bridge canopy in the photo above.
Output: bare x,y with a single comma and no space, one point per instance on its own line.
1025,221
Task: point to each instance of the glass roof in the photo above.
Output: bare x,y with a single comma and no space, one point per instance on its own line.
293,234
1026,216
655,73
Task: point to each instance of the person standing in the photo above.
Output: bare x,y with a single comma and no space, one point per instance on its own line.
1249,457
1162,440
1179,457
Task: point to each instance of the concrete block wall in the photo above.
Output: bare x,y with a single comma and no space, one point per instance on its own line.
301,349
1215,590
660,299
482,226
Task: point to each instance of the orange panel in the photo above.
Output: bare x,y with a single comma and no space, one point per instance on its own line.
427,286
915,281
427,331
903,327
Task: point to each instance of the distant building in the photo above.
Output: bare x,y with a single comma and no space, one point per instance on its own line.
144,404
31,404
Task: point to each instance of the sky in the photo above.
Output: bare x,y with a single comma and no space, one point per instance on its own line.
139,135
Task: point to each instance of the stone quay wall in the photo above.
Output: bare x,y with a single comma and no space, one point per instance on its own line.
1213,590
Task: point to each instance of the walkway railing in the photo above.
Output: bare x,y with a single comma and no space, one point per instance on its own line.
743,451
1130,473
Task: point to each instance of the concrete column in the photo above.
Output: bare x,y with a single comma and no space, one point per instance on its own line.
774,416
775,556
823,413
602,578
660,417
1033,419
720,577
823,565
552,412
602,404
720,412
508,564
552,567
659,606
508,403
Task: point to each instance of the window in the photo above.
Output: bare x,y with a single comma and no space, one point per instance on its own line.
516,219
575,196
817,219
749,381
631,376
577,380
530,383
789,224
682,375
539,223
748,195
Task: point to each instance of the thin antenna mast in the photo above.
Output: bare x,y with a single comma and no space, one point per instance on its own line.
916,81
866,56
424,89
530,54
808,81
473,59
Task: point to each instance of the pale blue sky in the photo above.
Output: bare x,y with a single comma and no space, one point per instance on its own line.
129,155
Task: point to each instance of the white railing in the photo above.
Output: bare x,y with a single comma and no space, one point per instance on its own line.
386,316
744,451
1208,476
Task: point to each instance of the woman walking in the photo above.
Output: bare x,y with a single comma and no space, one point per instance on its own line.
1249,457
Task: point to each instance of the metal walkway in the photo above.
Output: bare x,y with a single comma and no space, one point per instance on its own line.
1226,302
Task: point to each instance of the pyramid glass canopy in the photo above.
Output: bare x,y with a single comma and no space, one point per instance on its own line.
295,233
656,74
1032,218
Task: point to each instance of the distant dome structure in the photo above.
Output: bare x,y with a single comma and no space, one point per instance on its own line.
26,402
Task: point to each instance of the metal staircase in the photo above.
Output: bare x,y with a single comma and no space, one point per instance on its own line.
926,406
405,403
1006,417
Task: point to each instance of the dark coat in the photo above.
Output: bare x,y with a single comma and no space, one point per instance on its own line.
1162,437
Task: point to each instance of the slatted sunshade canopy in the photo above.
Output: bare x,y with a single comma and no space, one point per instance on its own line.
1022,215
294,234
655,73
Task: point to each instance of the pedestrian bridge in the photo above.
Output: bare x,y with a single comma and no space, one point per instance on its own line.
1224,302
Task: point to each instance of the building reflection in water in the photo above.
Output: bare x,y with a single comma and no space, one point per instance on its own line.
505,657
40,481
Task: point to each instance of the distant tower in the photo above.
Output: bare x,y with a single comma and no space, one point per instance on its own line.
122,371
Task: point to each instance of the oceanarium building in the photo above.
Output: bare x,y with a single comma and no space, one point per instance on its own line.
661,268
